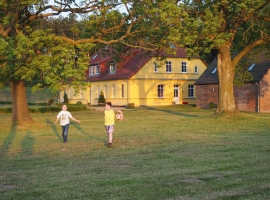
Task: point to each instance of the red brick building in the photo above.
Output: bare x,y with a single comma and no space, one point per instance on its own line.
253,96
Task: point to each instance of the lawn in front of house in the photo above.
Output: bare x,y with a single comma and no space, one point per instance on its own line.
166,152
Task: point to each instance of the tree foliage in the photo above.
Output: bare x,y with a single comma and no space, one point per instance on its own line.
227,26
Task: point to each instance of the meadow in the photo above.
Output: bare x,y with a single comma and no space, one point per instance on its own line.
166,152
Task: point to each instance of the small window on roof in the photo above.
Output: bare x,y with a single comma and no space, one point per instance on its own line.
214,71
251,67
94,56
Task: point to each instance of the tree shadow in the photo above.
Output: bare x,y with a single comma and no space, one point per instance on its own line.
27,144
172,112
7,142
52,125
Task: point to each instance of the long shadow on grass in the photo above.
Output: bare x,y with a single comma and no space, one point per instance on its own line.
49,122
79,128
27,144
172,112
6,144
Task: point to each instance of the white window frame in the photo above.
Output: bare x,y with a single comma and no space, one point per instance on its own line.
97,69
168,67
184,67
91,70
160,91
113,67
190,91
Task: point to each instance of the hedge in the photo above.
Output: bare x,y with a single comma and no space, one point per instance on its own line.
47,109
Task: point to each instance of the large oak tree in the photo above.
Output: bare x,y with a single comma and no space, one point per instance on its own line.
32,55
223,25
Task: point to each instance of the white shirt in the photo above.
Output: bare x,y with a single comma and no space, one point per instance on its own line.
64,117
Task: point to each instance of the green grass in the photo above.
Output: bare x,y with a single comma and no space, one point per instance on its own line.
170,152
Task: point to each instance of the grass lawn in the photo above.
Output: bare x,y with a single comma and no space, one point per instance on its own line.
170,152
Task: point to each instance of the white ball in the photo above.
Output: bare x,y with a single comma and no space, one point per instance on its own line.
118,116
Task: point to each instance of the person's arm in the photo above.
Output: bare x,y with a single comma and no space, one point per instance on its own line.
56,120
78,121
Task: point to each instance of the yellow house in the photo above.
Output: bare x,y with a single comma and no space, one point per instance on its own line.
138,79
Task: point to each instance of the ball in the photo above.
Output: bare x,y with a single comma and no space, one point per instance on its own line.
118,116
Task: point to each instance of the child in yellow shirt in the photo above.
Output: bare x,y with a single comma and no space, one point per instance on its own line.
109,121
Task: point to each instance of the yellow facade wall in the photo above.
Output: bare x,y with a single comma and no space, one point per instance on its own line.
142,88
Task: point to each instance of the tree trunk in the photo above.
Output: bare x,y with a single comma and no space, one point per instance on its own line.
226,102
20,113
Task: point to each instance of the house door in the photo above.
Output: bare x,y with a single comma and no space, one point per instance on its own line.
176,94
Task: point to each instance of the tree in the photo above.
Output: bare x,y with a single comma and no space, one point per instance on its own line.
32,55
224,25
101,98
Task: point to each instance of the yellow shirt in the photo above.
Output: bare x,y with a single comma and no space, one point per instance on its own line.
109,117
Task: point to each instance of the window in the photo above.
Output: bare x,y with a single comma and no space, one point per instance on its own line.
97,69
122,91
155,67
214,71
91,70
190,90
112,67
98,91
94,70
94,56
105,91
168,66
160,91
184,67
196,69
113,90
251,67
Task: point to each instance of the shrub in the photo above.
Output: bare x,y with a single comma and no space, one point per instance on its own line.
65,98
50,102
211,105
79,103
101,98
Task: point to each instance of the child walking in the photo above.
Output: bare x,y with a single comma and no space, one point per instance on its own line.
64,121
109,121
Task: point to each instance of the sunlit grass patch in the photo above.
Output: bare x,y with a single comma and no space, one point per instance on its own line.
173,152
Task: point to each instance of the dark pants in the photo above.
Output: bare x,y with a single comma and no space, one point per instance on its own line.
65,132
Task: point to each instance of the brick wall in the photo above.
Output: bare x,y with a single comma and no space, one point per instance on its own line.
205,94
245,96
264,98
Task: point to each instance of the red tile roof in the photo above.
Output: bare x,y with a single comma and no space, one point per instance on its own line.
133,61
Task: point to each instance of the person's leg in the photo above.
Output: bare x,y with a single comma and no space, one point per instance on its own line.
65,132
110,137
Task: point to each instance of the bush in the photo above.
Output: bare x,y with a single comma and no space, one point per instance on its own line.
130,105
101,98
50,102
65,98
79,103
5,110
211,105
47,109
